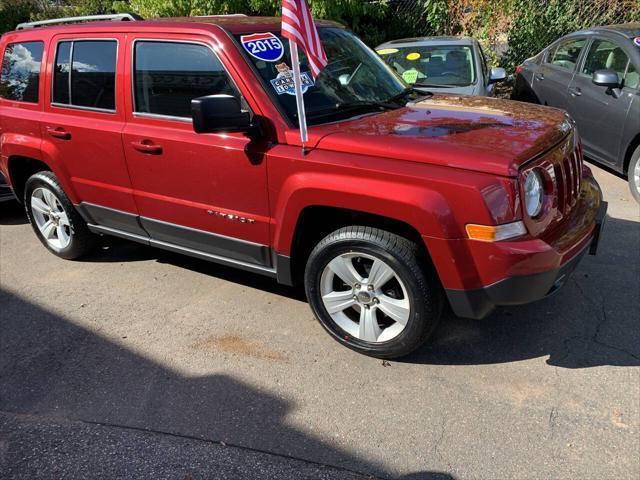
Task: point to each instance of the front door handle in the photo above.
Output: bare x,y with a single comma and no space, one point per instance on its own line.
148,147
59,132
575,92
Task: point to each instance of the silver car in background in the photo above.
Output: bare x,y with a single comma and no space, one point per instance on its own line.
594,74
443,64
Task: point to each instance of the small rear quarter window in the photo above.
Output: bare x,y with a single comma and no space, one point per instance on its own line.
20,77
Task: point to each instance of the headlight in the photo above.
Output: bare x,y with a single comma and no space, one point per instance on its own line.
533,193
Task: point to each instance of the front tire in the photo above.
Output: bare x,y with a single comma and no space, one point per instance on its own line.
54,219
634,174
373,291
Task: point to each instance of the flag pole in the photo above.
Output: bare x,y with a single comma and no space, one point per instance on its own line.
297,78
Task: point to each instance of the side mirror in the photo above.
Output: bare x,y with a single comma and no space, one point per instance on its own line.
606,78
497,75
219,114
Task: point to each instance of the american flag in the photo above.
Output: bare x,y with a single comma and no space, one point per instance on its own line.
298,27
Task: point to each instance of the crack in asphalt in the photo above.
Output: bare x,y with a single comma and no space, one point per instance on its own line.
436,446
553,416
198,439
603,319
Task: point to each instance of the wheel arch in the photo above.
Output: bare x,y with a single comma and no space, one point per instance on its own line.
20,170
317,221
317,203
22,165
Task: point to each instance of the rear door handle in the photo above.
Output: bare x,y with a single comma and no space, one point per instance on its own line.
539,76
576,92
59,132
147,146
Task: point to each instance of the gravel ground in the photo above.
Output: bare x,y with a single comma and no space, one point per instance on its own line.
136,363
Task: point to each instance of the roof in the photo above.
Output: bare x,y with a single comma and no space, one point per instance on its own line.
629,30
232,23
241,23
424,41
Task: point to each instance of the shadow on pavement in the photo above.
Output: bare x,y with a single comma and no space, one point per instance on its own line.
53,371
592,321
12,213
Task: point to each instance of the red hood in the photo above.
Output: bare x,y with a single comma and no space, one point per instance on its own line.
473,133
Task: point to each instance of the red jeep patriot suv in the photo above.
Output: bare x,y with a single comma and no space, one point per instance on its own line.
182,134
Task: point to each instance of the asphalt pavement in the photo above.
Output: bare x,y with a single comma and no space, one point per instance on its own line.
138,363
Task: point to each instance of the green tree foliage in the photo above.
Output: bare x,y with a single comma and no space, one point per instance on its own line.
536,24
525,26
360,16
13,12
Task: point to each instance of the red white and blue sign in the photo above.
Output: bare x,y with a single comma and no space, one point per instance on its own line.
263,46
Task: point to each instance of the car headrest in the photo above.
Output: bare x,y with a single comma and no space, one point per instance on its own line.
617,60
456,57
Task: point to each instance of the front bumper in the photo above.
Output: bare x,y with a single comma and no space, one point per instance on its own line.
526,288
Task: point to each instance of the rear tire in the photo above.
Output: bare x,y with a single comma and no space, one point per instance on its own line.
634,174
54,219
373,291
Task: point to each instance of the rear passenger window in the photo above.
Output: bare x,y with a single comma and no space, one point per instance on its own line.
20,78
61,74
167,76
85,74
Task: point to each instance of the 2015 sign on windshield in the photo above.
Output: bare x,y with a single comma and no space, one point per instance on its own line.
263,46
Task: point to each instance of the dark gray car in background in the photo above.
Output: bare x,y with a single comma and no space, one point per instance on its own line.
595,75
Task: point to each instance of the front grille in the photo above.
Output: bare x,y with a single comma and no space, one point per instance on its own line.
568,173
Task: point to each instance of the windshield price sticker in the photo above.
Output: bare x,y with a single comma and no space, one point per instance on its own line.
284,84
263,46
410,76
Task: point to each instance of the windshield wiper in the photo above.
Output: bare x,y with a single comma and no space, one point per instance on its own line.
408,91
363,104
434,85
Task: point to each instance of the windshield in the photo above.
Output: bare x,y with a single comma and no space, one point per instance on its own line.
355,81
437,65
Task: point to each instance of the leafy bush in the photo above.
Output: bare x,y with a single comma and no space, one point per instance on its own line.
535,25
509,30
13,12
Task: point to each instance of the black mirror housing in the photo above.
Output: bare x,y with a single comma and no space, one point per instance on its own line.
606,78
219,114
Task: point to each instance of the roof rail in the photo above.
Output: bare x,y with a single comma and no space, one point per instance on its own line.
88,18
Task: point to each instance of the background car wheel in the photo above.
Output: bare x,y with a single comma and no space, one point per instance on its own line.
373,291
54,219
634,174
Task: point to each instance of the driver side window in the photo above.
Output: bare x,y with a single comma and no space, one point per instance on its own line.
168,75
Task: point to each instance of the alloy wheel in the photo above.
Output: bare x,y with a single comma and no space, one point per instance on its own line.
51,218
365,297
